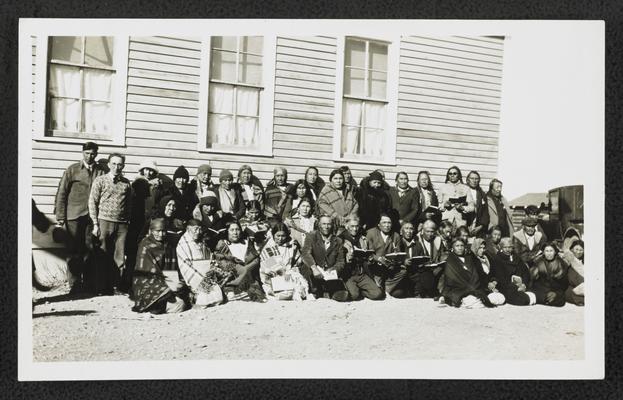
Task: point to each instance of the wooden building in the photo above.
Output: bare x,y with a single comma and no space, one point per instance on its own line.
396,103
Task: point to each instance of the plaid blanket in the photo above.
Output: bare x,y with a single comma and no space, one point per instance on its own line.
333,203
149,282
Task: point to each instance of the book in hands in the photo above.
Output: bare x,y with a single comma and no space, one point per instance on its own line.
361,253
216,231
431,209
419,260
396,257
257,236
455,201
329,274
279,283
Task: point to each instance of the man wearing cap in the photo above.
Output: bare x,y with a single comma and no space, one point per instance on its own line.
534,212
72,208
110,205
528,241
229,195
183,195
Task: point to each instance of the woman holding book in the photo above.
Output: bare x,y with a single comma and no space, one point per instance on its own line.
303,222
280,260
549,277
239,254
254,225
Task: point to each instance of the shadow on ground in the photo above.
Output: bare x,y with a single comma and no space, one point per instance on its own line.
64,313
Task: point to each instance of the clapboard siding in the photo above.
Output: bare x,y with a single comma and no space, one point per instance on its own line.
448,110
449,103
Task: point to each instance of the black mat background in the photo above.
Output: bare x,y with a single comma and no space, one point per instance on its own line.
10,11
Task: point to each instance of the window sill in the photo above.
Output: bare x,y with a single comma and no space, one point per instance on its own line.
365,160
237,151
101,142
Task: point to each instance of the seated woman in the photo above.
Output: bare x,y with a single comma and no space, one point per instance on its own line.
574,256
212,220
549,277
254,225
336,202
200,270
174,228
512,275
151,291
316,183
229,195
464,283
277,195
279,266
479,252
492,241
239,254
298,192
249,185
303,223
462,232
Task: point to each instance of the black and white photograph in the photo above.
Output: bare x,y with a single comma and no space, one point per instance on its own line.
311,198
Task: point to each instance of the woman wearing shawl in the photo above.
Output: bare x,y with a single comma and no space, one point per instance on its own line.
549,277
250,186
151,291
316,183
303,222
277,195
279,266
298,192
203,274
254,225
239,254
478,251
492,241
463,279
574,256
335,201
212,220
174,228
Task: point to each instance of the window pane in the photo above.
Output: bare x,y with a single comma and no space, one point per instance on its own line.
97,117
223,66
351,112
373,143
98,50
250,69
377,85
224,42
66,48
64,81
97,84
375,116
221,99
220,129
248,102
353,82
377,56
350,140
355,53
65,115
252,44
248,132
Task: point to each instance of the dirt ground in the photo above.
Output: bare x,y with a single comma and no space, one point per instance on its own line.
104,328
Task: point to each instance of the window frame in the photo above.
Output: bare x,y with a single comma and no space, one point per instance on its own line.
267,96
393,70
118,99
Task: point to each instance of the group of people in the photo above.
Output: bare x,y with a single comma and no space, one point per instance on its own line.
181,243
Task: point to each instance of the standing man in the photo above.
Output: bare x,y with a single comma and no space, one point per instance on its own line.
110,203
475,218
498,211
405,202
72,209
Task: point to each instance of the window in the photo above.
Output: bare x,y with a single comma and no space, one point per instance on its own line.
83,83
239,95
366,130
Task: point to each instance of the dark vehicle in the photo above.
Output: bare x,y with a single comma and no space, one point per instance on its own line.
566,210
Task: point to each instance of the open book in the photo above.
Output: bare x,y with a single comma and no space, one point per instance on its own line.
419,260
431,209
396,257
216,231
257,236
361,253
458,200
516,280
280,283
329,274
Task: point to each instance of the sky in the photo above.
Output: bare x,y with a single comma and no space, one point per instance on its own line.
551,131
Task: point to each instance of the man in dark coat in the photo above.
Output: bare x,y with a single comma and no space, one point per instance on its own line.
498,211
427,244
405,202
512,275
528,241
356,273
373,201
323,257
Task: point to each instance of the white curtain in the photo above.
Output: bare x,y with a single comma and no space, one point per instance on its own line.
64,113
97,117
97,84
221,128
373,140
351,122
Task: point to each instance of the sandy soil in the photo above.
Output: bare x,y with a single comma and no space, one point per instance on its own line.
104,328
